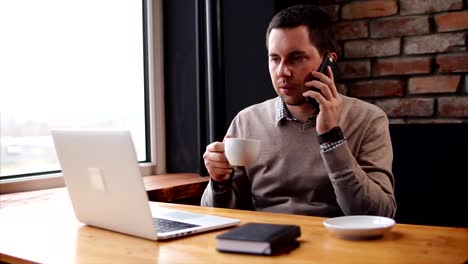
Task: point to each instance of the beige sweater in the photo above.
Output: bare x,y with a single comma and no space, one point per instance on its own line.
293,176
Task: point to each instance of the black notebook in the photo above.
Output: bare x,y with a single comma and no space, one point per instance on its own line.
259,238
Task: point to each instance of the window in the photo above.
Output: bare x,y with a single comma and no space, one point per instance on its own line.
71,64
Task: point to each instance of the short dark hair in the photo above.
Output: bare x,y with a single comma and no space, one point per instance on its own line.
317,21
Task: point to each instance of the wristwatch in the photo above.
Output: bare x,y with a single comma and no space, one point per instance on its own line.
333,135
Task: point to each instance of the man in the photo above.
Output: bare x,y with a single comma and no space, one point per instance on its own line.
328,162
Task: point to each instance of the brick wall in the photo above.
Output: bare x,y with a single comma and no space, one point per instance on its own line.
409,57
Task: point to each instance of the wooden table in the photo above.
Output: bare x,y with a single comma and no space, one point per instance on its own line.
43,229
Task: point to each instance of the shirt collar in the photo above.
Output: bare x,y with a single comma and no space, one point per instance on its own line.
282,112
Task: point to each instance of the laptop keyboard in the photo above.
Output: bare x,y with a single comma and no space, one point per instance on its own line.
164,225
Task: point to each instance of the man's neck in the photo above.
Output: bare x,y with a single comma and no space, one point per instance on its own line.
301,112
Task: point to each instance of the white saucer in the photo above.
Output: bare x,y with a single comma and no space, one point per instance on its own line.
359,226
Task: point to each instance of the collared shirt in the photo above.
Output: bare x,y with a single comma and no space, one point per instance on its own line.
282,112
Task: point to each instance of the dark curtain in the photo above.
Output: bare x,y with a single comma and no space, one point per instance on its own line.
215,64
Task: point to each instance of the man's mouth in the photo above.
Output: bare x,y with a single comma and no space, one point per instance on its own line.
285,85
287,89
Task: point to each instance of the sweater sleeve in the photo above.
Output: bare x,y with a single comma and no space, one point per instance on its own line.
236,196
212,198
364,184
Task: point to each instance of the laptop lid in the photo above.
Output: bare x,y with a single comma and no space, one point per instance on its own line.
103,179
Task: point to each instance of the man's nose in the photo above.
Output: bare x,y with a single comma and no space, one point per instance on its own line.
283,70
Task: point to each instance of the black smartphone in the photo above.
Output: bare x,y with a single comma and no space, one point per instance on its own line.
327,61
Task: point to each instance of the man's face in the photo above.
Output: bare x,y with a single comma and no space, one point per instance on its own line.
291,58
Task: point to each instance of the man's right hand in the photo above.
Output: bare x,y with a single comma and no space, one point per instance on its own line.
216,163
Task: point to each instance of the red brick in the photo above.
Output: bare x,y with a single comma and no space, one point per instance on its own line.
452,21
435,43
376,88
402,66
453,107
371,48
452,62
352,30
428,6
366,9
417,107
332,10
354,69
399,26
433,84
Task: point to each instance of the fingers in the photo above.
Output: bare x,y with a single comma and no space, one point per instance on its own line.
215,147
333,88
218,171
329,99
215,161
325,84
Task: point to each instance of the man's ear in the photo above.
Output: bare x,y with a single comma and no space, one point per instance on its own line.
334,56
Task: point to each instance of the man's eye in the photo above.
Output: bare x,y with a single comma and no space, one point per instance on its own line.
274,59
298,58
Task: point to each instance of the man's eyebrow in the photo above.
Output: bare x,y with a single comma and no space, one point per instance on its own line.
293,53
297,52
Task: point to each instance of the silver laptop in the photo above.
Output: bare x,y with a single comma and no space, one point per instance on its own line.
106,188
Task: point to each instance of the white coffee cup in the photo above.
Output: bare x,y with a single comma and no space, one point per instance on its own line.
241,151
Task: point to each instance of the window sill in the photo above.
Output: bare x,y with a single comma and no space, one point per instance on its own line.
175,187
49,181
32,183
161,188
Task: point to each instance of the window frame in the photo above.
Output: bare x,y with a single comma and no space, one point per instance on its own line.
155,118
